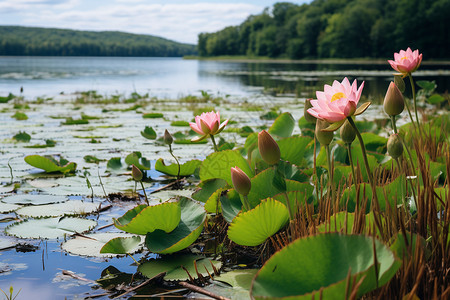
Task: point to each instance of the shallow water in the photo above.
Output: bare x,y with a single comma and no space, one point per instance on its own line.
175,77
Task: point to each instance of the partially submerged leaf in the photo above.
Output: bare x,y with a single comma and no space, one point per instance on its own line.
174,266
186,169
68,208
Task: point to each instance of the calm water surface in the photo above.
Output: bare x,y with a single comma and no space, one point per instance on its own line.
175,77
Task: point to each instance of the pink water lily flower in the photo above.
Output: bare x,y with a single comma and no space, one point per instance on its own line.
207,124
406,62
336,102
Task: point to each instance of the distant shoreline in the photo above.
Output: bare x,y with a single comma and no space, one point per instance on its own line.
362,61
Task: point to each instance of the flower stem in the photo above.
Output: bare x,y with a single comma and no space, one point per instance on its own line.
214,143
288,204
366,162
402,186
246,203
330,171
394,126
413,89
145,194
178,163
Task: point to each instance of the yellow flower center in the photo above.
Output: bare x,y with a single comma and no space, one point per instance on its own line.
337,96
404,57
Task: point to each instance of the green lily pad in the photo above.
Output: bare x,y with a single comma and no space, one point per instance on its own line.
186,169
138,160
49,164
241,278
262,187
283,125
173,266
231,205
68,208
253,227
320,265
207,188
91,244
219,164
143,219
293,149
149,133
122,245
49,228
193,216
34,199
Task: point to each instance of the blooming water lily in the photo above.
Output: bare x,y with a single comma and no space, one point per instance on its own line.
207,124
406,62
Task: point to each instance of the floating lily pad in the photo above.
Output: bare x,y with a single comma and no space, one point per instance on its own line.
172,265
8,207
320,265
49,164
241,278
255,226
50,228
42,183
143,219
34,199
186,169
138,160
91,244
122,245
68,208
188,230
149,133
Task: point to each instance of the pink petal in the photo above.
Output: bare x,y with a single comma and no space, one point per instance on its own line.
331,117
313,113
195,128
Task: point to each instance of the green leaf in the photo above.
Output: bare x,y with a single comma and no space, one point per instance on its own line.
149,133
219,164
114,163
207,188
253,227
428,86
188,230
435,99
186,169
143,219
49,164
283,125
121,245
406,248
293,149
322,263
50,228
262,187
174,266
91,244
152,115
138,160
231,205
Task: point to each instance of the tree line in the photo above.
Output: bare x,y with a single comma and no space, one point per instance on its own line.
16,40
337,29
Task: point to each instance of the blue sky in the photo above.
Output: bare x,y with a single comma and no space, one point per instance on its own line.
173,19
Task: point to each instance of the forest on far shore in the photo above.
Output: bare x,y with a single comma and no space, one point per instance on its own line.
17,40
337,29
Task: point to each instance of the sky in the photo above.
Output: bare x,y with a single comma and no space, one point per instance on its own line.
177,20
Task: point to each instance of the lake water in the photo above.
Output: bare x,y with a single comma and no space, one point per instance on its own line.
176,77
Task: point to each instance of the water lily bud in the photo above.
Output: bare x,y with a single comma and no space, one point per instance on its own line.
324,137
241,181
347,132
393,101
136,173
395,146
268,148
308,117
168,139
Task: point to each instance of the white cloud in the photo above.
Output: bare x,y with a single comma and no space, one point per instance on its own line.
181,22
